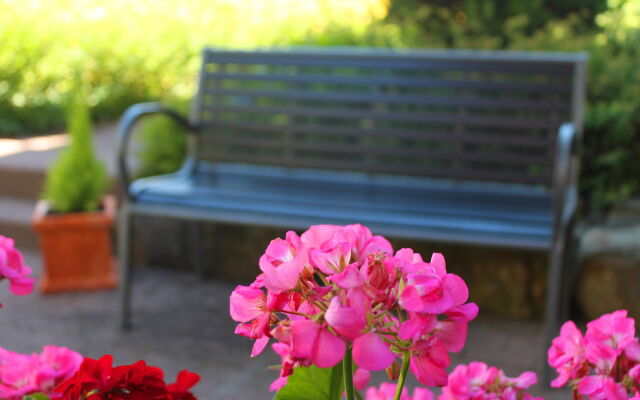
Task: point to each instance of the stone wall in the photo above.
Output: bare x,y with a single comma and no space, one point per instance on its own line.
502,282
609,277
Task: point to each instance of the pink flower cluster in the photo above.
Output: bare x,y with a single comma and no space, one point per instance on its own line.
602,364
12,268
22,374
339,287
478,381
386,391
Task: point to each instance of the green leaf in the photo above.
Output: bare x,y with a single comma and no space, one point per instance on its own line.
313,383
36,396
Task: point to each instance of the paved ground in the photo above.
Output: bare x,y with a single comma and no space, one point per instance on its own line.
183,322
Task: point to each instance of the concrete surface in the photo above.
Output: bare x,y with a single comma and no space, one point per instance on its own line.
183,322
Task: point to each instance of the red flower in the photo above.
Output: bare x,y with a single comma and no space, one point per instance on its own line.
180,390
99,380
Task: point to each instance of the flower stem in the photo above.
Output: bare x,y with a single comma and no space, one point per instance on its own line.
347,365
403,374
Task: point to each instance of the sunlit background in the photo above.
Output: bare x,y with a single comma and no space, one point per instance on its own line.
134,51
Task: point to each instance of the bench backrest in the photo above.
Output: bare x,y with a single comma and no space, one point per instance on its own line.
463,115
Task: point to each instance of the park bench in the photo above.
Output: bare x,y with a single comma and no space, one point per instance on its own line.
467,147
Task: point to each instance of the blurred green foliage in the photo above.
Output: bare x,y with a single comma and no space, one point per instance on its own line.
162,143
149,50
77,180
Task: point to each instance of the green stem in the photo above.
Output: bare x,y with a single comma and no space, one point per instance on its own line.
347,365
406,357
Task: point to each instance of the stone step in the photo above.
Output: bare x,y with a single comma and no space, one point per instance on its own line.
15,221
24,162
19,182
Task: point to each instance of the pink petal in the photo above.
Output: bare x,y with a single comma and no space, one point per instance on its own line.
349,278
377,244
246,303
438,264
259,345
280,250
361,378
466,312
347,321
422,394
265,265
328,350
371,352
526,380
429,365
562,378
278,384
416,325
317,235
22,286
303,337
633,351
456,288
243,330
428,373
452,334
285,277
410,299
589,384
614,391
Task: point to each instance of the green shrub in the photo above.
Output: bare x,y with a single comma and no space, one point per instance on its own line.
77,180
152,54
162,144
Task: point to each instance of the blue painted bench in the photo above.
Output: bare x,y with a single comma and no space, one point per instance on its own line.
455,146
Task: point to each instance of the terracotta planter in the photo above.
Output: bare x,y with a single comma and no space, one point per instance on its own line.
76,248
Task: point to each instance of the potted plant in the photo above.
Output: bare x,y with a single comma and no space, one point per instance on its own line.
74,219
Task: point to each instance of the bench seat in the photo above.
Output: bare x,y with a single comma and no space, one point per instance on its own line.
420,208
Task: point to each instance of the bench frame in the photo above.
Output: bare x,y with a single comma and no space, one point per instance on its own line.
565,179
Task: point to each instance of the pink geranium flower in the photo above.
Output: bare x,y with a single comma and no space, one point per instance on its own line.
23,374
567,354
601,365
477,380
335,288
387,391
55,365
12,267
614,330
430,289
283,262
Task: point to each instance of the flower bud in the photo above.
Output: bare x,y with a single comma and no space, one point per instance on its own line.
393,370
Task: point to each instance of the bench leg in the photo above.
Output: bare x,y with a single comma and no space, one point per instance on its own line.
124,254
558,286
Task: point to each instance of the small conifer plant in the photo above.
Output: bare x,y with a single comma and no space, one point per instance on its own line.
77,181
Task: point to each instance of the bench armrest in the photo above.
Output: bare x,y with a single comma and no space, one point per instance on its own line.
565,174
128,120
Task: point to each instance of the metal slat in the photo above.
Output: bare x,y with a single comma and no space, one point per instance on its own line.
467,137
492,175
491,85
402,99
489,121
498,158
397,63
369,53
